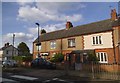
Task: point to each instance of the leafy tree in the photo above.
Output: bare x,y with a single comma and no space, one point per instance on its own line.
57,58
23,49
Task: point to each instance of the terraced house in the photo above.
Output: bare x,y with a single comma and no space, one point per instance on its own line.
102,38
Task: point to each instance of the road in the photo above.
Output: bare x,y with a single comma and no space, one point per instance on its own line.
46,76
11,78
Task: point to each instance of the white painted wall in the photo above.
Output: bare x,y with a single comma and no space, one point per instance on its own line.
106,41
1,53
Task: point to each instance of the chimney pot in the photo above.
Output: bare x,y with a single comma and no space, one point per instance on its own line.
68,25
113,14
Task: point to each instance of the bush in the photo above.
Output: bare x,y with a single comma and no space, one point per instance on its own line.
57,58
23,58
92,58
27,58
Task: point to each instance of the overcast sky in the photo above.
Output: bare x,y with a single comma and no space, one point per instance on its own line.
20,17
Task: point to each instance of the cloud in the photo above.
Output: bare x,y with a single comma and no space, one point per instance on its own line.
24,2
44,12
48,28
31,35
19,37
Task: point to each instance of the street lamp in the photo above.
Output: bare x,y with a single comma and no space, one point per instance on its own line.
38,42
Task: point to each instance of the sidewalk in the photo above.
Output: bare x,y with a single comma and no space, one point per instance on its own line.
93,76
78,79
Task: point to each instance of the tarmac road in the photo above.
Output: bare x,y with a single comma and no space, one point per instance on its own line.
47,76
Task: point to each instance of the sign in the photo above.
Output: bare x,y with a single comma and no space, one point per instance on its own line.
44,54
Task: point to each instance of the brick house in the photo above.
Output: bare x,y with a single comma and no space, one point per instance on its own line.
102,37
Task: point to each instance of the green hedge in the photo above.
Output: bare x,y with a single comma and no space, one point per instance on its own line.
23,58
57,58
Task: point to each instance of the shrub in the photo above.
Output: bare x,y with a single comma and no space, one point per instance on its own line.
92,58
57,58
23,58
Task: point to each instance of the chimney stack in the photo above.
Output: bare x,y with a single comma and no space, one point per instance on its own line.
113,14
6,44
68,25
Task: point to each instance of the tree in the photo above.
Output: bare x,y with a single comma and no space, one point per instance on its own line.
23,49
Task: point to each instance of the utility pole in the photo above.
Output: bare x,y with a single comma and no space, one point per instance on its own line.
13,45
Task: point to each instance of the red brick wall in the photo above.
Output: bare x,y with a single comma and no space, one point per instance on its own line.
110,53
117,54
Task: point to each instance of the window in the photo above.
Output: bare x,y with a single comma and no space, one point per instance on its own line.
102,57
38,47
71,43
53,54
53,44
96,40
7,51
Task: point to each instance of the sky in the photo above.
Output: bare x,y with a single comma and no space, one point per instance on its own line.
20,17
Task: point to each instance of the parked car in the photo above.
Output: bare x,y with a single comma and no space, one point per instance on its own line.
9,63
43,63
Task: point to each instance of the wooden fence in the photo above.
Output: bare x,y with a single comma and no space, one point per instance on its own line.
97,70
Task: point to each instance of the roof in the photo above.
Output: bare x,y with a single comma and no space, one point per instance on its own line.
95,27
3,48
116,22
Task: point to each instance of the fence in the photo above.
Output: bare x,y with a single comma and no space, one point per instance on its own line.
97,70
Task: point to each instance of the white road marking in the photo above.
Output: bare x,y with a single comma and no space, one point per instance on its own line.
46,81
62,80
8,80
55,79
24,77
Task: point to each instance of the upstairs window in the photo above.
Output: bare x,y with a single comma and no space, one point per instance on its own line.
7,51
71,43
102,57
96,40
38,47
53,44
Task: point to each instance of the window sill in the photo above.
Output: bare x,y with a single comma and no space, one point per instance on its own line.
71,46
102,62
52,48
97,44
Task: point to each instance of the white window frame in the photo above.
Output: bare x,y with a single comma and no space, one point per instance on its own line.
100,55
72,44
97,40
39,47
53,44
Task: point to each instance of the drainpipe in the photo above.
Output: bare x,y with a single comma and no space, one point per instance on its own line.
119,51
114,48
61,46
